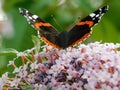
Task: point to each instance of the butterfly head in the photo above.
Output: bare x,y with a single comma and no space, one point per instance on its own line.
62,40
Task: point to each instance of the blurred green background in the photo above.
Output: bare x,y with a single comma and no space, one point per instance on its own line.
16,33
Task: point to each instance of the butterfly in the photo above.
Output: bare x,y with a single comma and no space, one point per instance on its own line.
62,40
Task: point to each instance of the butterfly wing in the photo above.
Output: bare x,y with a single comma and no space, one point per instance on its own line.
83,28
45,30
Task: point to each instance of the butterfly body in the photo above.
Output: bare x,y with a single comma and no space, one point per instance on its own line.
63,37
62,40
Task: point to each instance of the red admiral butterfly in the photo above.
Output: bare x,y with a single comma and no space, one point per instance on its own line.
62,40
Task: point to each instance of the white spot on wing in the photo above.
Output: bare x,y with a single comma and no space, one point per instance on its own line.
98,15
35,16
100,9
27,11
30,17
92,15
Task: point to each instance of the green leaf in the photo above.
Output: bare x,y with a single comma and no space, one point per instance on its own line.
25,86
36,42
8,51
48,88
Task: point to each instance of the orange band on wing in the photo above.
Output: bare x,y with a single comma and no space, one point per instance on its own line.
39,24
81,39
90,23
49,43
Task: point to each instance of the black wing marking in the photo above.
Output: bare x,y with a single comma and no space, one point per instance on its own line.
45,30
83,28
64,39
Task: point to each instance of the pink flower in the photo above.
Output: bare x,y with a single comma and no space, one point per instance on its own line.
94,66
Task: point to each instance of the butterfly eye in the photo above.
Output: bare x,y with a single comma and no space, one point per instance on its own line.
64,39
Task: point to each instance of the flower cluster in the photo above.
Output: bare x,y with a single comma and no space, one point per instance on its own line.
94,66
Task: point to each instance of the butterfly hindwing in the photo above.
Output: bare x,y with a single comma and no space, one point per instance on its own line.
83,28
64,39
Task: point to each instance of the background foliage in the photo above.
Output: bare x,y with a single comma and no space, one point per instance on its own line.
62,14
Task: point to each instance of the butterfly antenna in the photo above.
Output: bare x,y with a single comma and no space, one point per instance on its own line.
77,19
56,22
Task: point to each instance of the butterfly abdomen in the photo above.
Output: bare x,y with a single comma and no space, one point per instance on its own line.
63,40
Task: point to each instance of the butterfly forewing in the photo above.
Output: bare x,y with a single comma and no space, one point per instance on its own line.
46,31
83,28
64,39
